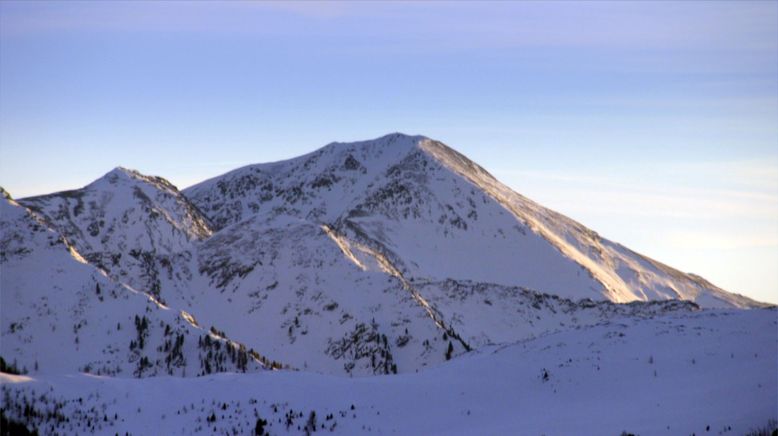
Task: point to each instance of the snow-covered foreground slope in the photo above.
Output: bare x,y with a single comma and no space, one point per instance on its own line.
709,372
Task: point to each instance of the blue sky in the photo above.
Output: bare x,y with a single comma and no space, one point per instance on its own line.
654,123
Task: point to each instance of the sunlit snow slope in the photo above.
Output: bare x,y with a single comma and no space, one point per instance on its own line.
702,373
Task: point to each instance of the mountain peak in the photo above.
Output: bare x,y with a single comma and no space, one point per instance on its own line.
389,142
120,175
121,171
123,208
390,139
399,136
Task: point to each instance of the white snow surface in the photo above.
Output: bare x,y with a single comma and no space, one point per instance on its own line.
710,372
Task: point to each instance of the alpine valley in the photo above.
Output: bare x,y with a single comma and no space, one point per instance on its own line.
383,286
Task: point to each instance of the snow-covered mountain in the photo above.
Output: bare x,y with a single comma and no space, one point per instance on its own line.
382,257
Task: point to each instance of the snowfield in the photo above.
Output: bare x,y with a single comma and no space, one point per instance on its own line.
394,275
678,374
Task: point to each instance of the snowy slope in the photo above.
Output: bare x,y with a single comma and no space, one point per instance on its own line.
710,372
61,315
486,314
